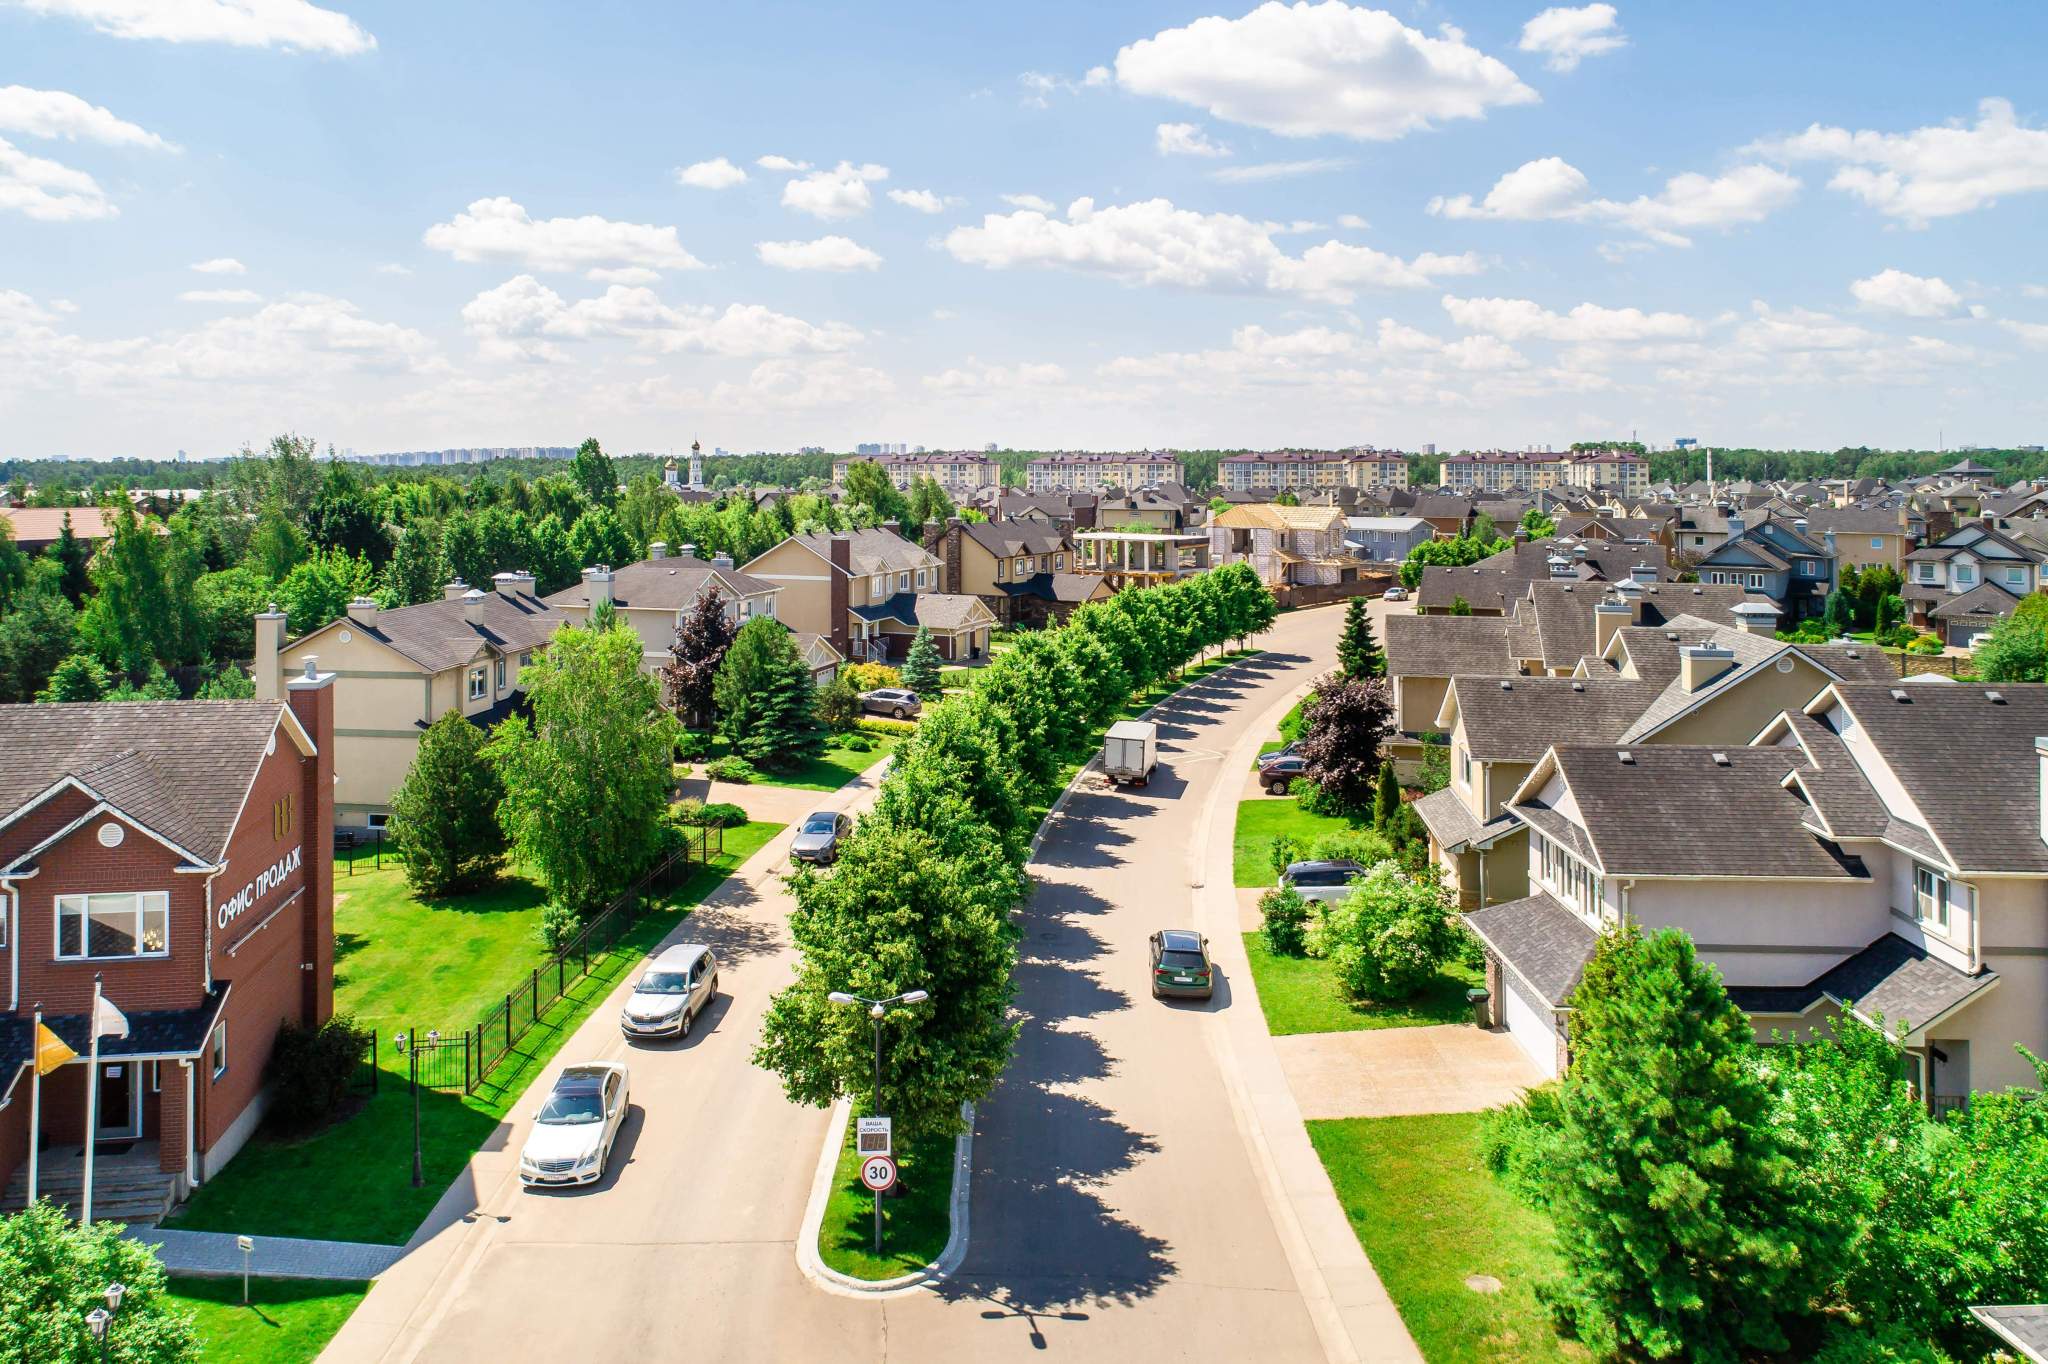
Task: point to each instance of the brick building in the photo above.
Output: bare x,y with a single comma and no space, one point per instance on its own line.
179,852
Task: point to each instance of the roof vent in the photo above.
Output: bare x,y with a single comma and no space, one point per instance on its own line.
1855,653
1506,685
1671,635
1996,698
1580,686
1626,757
1699,592
1899,694
1720,760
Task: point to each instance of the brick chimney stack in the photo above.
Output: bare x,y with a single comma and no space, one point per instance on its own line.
311,698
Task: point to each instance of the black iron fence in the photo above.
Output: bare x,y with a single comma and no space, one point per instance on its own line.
465,1058
364,1081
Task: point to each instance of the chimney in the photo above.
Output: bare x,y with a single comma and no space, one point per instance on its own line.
723,561
269,644
597,585
1642,573
311,698
473,606
1799,524
516,583
1630,593
658,550
1608,618
837,599
1700,664
453,590
1560,567
363,611
686,551
1734,524
1757,617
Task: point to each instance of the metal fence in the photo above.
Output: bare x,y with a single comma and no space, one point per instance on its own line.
465,1058
364,1081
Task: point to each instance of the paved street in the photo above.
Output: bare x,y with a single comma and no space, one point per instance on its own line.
1142,1185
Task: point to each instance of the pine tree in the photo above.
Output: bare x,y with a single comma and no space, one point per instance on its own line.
702,637
1386,797
1358,653
767,706
921,666
445,813
1684,1225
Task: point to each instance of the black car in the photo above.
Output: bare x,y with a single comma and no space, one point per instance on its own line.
1181,966
1279,774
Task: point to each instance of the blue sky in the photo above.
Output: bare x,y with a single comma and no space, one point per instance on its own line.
1050,225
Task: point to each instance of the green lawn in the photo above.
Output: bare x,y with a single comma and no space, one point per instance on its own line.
1300,994
914,1226
1429,1215
352,1181
829,771
1262,818
286,1321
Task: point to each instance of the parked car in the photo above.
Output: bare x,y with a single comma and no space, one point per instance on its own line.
898,703
1279,774
1322,880
1395,594
1180,965
673,989
573,1133
817,841
1288,751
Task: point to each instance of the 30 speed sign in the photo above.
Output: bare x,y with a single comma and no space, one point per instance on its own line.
878,1173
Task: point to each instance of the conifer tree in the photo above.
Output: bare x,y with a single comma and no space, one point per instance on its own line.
921,666
1386,797
1358,653
445,813
767,705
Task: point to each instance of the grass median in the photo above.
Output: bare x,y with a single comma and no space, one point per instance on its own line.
285,1321
915,1223
406,965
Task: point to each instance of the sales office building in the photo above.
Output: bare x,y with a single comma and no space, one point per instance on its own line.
179,852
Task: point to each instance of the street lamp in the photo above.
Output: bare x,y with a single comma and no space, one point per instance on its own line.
411,1051
100,1318
876,1009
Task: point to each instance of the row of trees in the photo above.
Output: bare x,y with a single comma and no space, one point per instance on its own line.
1716,1200
923,890
1460,551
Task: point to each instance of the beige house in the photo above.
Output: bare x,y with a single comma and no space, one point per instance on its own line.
1024,572
1863,536
868,592
652,595
398,671
1087,473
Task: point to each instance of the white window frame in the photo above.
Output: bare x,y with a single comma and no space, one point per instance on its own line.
378,819
1809,568
1877,542
902,582
922,576
479,684
501,672
1931,895
142,899
218,1051
1754,580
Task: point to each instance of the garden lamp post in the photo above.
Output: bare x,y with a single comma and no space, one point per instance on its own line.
411,1051
876,1009
100,1319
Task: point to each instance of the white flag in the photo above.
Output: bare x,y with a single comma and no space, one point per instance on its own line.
108,1021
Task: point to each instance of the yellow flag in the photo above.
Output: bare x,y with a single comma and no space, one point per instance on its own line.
50,1051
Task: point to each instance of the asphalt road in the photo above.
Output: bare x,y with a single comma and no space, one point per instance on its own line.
1125,1202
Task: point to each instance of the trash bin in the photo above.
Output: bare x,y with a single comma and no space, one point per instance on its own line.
1481,1014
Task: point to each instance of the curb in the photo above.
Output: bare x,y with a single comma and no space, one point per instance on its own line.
845,1285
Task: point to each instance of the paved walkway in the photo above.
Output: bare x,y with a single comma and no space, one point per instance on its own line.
1394,1072
274,1257
776,804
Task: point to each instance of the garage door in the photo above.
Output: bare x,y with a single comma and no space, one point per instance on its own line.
1530,1024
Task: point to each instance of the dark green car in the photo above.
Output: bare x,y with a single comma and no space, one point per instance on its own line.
1180,965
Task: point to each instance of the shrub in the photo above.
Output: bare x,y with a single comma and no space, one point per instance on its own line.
310,1069
1388,938
558,924
692,745
57,1270
715,815
1877,1343
1926,644
1362,846
1285,924
858,743
868,676
1282,852
1520,1142
871,725
731,768
839,704
688,810
1318,799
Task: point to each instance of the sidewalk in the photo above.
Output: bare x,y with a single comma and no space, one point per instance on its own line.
273,1257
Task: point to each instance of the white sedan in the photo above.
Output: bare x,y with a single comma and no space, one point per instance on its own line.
573,1134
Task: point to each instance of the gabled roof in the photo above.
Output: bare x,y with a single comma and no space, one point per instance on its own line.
1446,646
438,635
1544,943
1517,719
1898,981
177,768
943,611
1987,599
1273,516
668,584
874,550
1007,539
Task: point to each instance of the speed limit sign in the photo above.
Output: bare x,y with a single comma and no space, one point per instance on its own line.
878,1172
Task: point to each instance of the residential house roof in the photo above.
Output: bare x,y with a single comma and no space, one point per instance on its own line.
1273,516
875,550
1899,982
941,611
666,584
1516,719
1006,539
438,635
1446,646
1546,944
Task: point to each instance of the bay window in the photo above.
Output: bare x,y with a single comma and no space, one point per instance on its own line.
135,924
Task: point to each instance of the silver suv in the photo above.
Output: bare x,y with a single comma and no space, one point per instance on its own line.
1322,880
898,703
674,987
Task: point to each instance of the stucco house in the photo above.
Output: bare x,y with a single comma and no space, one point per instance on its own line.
867,593
1969,580
1780,559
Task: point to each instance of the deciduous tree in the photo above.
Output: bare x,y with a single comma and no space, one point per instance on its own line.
1342,728
595,476
53,1271
702,637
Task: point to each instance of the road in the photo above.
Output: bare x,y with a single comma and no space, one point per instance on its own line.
1142,1186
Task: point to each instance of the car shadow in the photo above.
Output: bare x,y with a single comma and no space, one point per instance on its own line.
702,1026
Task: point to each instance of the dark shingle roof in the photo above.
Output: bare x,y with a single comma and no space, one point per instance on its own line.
937,610
1545,943
1897,980
437,635
153,1032
2022,1326
1445,646
178,767
1006,539
1987,600
1518,719
873,551
669,584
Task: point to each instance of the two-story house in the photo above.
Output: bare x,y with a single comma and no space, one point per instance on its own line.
868,592
1844,861
1286,546
398,671
1969,580
652,595
178,853
1024,573
1865,537
1778,558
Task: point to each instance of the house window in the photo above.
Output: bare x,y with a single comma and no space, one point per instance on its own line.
1877,542
1965,574
921,577
220,1051
137,924
477,684
1929,573
1755,580
1930,896
1023,568
380,819
902,582
501,674
2016,577
1809,568
1059,563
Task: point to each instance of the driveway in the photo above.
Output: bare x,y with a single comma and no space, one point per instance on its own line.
1395,1072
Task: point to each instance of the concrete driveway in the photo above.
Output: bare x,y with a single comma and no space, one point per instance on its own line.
1394,1072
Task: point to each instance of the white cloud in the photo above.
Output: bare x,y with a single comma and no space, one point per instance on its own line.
291,24
974,377
772,162
1307,70
1801,329
1352,221
793,385
1895,291
524,319
826,253
943,314
220,265
48,190
1186,139
1154,242
2032,333
500,230
1030,201
717,173
1929,173
393,268
220,296
1552,188
622,274
923,200
1567,36
841,192
1040,87
54,113
1521,319
2034,290
1277,170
